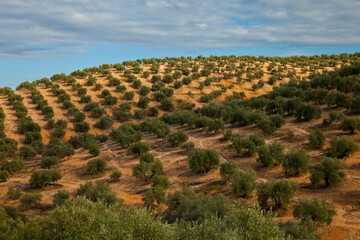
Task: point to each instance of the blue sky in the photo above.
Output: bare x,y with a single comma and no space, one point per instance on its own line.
39,38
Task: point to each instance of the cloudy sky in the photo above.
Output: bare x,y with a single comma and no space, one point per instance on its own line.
41,37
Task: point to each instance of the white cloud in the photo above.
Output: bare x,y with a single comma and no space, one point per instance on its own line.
186,24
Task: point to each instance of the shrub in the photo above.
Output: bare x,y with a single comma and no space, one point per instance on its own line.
59,150
93,148
228,169
109,100
27,152
121,116
60,197
143,102
12,166
153,112
342,147
115,175
228,134
167,105
142,170
95,166
157,167
147,157
189,146
203,160
104,123
48,162
307,111
137,149
160,181
316,139
14,193
97,112
105,93
280,192
4,175
296,162
31,200
79,117
244,183
240,143
58,132
300,230
350,124
32,136
319,211
139,114
271,154
129,95
81,127
176,138
41,179
144,90
98,191
329,170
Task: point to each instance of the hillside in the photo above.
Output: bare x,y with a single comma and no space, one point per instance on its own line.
113,106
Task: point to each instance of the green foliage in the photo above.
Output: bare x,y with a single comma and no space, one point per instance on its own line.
144,90
129,95
177,138
27,152
49,161
153,112
104,123
157,167
95,166
126,135
81,127
228,169
115,175
203,160
143,102
147,157
156,126
59,150
12,166
319,211
167,105
307,111
316,139
342,147
350,124
98,191
4,175
139,114
31,200
330,170
280,192
14,193
41,179
60,197
138,148
244,183
240,144
79,117
296,162
270,155
142,170
303,230
160,181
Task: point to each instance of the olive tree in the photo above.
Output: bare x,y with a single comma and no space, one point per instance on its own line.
203,160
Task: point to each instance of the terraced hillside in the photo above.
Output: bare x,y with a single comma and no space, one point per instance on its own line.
229,125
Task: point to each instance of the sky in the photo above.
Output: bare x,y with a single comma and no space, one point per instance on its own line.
39,38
